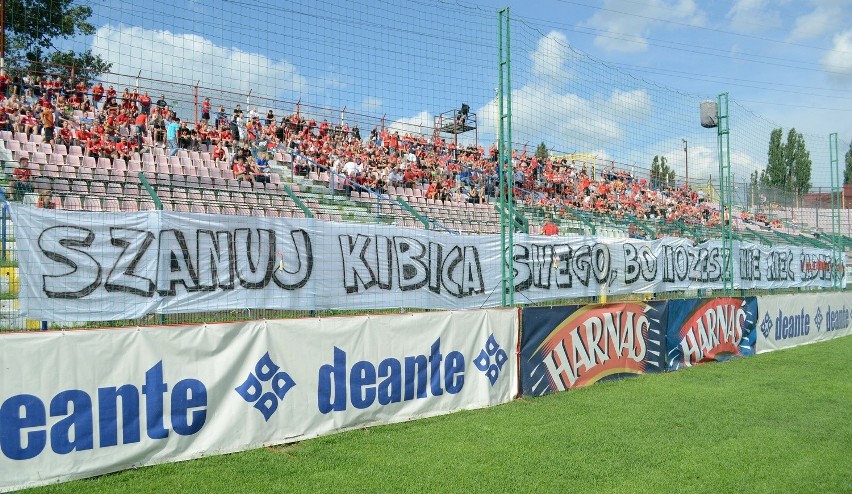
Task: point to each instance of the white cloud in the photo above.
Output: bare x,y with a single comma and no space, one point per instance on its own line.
421,123
751,16
550,58
826,16
189,59
580,124
838,61
626,24
370,104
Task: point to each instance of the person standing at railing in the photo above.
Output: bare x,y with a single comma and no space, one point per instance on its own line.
172,128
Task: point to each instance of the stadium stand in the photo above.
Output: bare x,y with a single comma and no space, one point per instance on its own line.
247,166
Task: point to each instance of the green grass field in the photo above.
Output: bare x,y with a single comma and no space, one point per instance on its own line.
773,423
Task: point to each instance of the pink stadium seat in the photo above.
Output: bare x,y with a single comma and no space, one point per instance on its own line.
75,151
79,187
101,174
92,204
72,203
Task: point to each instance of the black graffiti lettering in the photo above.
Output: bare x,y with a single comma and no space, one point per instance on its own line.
64,245
451,281
436,259
676,263
750,264
289,279
384,262
123,277
255,257
780,266
413,271
522,269
175,264
542,263
632,267
472,282
602,262
582,264
215,260
714,265
562,254
356,270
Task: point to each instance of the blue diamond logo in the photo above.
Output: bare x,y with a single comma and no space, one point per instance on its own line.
766,325
818,318
491,360
266,387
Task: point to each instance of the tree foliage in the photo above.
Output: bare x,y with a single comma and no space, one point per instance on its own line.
788,165
34,26
541,151
661,174
847,172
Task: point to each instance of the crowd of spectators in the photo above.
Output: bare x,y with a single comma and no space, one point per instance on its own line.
129,122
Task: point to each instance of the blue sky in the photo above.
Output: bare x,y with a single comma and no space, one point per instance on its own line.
620,79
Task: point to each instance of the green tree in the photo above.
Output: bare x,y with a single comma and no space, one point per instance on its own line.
788,166
798,161
776,167
847,173
541,151
661,174
32,28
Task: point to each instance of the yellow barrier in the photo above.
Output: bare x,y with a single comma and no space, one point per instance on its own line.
11,275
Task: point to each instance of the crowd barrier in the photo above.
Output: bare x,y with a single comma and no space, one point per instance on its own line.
98,401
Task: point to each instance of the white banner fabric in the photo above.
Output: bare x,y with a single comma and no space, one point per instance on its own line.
83,266
787,321
98,401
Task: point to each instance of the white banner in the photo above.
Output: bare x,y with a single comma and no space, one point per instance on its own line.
82,266
787,321
97,401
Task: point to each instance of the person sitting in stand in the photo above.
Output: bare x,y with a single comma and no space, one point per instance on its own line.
124,149
261,169
21,176
549,228
241,171
46,200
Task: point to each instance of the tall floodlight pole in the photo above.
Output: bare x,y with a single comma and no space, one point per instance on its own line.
714,114
836,187
504,160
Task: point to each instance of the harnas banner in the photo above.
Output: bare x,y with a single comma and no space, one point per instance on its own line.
97,401
84,266
571,346
787,321
702,330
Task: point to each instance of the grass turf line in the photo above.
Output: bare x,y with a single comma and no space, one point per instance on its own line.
777,422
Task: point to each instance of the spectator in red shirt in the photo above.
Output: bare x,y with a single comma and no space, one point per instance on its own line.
550,229
21,179
145,103
97,94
